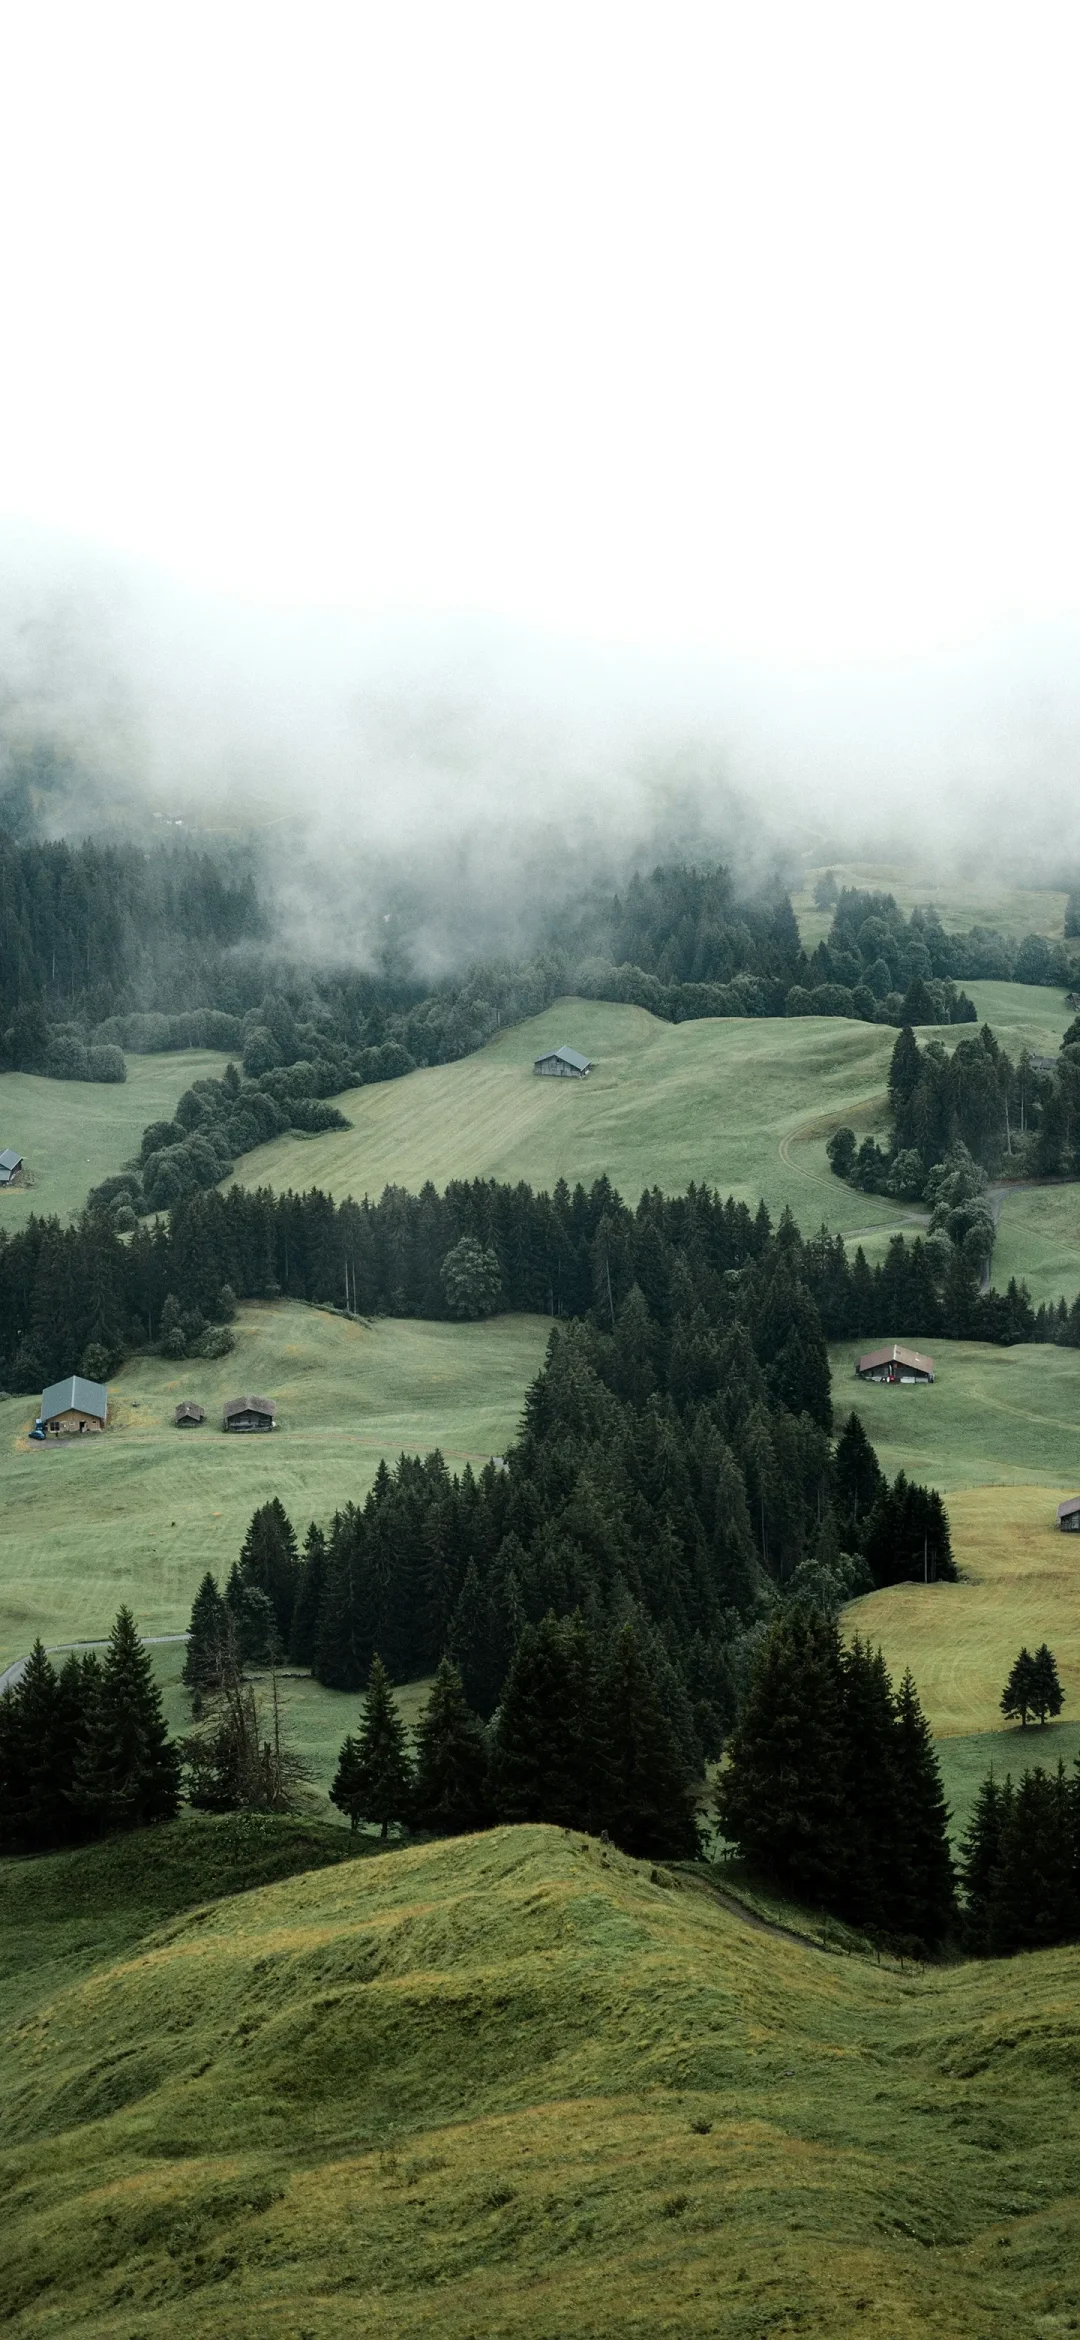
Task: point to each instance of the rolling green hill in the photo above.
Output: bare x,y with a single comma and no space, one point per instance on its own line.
139,1514
518,2085
745,1104
71,1134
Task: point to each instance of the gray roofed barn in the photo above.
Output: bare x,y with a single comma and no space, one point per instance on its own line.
75,1404
10,1165
249,1413
564,1061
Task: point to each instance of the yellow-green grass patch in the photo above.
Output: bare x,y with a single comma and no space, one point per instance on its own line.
139,1513
1020,1584
518,2085
72,1134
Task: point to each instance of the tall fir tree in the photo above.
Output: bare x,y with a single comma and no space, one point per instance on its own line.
268,1559
644,1789
310,1595
1047,1695
545,1751
374,1780
450,1788
780,1797
1019,1697
1035,1901
207,1635
926,1878
980,1860
127,1771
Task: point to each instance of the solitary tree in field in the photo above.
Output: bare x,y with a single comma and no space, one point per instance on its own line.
1047,1695
1020,1696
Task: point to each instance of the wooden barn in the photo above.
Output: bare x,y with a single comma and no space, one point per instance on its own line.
895,1364
1068,1515
563,1064
250,1413
10,1167
188,1415
68,1408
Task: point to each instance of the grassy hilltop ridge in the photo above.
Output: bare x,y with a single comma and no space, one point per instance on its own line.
520,2085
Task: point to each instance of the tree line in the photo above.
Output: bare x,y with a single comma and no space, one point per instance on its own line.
86,1750
68,1291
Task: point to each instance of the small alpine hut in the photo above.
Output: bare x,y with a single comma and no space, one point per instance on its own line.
895,1364
72,1406
188,1415
10,1167
1069,1515
564,1064
250,1413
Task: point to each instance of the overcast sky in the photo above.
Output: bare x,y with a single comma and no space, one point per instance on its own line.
742,329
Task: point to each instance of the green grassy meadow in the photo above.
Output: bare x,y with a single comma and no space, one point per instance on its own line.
960,902
514,2085
71,1134
745,1104
140,1513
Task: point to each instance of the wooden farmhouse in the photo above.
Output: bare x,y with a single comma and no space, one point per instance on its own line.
10,1167
73,1406
564,1064
1068,1515
895,1364
250,1413
188,1415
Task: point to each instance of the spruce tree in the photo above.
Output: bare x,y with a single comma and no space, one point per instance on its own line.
1047,1695
980,1860
1035,1900
867,1888
206,1637
926,1885
374,1779
254,1624
311,1591
780,1796
646,1791
33,1800
544,1756
450,1789
127,1772
268,1559
1020,1695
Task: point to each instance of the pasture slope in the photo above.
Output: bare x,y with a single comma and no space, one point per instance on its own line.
960,901
520,2086
744,1104
72,1134
139,1514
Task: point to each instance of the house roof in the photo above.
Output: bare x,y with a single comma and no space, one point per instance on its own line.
1071,1504
895,1355
10,1160
568,1056
75,1396
188,1411
248,1405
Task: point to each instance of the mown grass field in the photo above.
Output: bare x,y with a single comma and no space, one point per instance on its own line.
521,2086
999,1433
140,1513
71,1134
744,1104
